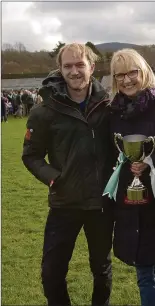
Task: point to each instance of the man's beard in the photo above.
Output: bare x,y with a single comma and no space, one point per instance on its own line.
77,89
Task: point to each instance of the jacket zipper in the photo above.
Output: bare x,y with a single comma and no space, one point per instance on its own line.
97,173
93,133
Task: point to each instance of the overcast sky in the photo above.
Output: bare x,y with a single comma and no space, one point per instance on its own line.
40,25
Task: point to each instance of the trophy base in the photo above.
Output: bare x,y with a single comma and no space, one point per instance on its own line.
135,202
137,195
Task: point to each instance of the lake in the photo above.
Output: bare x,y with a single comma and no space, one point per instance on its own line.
35,83
21,83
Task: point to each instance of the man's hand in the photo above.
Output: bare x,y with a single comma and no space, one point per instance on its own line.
138,167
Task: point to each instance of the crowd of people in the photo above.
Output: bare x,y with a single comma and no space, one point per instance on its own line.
18,103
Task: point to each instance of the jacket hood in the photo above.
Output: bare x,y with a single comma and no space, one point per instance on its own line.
57,87
53,77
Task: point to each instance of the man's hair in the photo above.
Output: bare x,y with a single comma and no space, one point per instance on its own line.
129,58
81,49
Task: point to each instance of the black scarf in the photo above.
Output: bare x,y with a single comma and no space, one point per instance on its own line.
129,107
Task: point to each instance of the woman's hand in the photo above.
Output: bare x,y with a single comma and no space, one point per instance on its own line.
138,167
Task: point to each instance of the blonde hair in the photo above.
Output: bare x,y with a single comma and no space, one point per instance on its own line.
127,58
81,49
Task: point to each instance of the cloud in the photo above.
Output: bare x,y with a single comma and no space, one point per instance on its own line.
40,25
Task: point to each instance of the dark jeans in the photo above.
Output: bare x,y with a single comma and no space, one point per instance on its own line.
61,231
146,284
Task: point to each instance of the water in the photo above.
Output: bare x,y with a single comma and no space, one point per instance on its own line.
34,83
21,83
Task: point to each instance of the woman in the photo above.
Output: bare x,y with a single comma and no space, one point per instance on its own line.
133,112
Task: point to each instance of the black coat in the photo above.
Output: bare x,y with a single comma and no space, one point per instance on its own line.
134,233
77,146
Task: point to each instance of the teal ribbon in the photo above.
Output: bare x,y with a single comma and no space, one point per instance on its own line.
112,185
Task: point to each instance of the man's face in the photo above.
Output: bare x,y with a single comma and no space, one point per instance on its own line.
76,70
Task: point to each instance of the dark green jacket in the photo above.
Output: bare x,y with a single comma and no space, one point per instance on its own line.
78,145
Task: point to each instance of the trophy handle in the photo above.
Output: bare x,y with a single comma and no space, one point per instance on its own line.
148,139
119,136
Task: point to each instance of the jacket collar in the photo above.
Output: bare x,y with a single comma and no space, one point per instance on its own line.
55,95
57,88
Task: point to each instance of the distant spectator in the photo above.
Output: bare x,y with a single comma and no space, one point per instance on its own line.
38,99
27,100
30,101
3,109
19,112
19,108
24,101
18,99
10,108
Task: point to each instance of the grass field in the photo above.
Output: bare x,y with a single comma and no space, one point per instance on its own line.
24,211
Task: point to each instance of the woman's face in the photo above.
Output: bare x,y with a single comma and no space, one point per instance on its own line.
128,81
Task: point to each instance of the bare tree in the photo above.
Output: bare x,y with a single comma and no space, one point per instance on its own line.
18,46
7,47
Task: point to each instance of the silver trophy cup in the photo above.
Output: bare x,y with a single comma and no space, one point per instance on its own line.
134,150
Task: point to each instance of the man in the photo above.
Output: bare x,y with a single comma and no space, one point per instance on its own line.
24,99
28,102
71,126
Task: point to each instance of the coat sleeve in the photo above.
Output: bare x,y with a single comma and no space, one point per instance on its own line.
153,157
149,150
35,149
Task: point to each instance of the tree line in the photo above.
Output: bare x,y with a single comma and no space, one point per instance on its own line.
16,60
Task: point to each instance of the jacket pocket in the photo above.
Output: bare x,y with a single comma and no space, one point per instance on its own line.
53,188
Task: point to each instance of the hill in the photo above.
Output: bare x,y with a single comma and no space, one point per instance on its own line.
19,61
114,46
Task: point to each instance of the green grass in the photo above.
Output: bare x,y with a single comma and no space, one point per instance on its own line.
24,211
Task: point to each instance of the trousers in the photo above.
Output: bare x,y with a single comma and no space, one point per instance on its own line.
146,284
61,231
